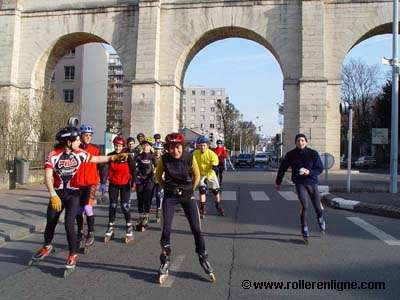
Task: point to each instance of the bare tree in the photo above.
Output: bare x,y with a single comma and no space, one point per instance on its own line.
360,86
229,121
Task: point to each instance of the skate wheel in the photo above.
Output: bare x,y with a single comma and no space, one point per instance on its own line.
305,241
162,279
128,240
31,262
212,277
68,271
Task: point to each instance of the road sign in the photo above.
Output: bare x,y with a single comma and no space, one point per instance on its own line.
327,160
380,136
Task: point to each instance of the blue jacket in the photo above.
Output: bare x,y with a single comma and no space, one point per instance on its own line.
301,158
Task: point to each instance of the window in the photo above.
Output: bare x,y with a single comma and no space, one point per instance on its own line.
212,126
53,78
68,96
212,93
203,117
184,109
218,118
192,125
184,92
193,109
203,92
71,53
202,126
193,92
212,109
69,72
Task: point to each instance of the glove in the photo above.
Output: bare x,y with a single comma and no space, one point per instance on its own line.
119,157
102,188
55,203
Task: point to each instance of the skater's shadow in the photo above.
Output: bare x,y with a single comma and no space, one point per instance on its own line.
189,275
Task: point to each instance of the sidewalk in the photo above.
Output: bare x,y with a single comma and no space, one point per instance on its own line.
22,211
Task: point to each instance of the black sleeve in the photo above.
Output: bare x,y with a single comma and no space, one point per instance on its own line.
103,172
132,167
285,164
215,168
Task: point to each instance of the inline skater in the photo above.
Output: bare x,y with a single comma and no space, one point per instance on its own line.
120,175
158,192
140,138
222,154
61,168
88,179
131,145
208,163
178,174
306,165
157,138
145,167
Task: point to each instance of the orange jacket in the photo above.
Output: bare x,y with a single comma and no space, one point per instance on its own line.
88,174
222,154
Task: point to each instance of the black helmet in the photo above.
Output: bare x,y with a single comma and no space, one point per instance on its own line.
157,136
67,134
140,135
130,139
219,142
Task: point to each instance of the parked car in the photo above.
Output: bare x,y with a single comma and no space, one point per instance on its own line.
365,162
343,161
261,158
245,159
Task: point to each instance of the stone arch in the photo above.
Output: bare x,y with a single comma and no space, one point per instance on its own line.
45,65
215,35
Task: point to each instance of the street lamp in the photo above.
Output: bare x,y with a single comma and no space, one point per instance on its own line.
347,109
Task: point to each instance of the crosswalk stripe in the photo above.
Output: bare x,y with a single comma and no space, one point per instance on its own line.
228,195
288,195
174,268
259,196
387,238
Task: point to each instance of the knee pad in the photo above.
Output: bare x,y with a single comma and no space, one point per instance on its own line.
202,190
165,248
113,205
215,191
88,210
126,206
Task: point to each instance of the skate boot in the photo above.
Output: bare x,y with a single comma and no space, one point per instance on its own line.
145,222
129,233
205,264
164,266
220,211
158,216
79,239
305,234
322,225
41,254
109,233
89,242
70,266
139,224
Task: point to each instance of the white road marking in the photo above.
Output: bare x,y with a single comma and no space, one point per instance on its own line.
174,268
228,195
289,195
387,238
259,196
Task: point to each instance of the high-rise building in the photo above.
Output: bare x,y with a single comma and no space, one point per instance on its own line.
92,78
200,109
115,94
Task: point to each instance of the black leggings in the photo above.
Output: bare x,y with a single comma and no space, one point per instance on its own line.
192,214
306,192
158,193
124,191
70,201
86,193
144,192
221,169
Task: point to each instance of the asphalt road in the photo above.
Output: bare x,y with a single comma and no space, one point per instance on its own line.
257,241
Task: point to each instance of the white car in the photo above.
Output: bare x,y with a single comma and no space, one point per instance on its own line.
261,158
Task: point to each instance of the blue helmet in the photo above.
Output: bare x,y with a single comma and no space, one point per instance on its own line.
203,139
158,145
86,129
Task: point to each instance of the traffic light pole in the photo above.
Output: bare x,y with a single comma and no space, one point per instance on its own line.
395,91
349,148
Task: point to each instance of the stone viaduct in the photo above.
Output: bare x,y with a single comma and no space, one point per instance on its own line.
157,39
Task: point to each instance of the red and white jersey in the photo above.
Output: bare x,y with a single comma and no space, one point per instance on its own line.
65,166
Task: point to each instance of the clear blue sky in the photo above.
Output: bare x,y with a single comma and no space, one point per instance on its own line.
253,77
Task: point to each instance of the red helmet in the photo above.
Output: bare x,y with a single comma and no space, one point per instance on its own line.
174,138
120,140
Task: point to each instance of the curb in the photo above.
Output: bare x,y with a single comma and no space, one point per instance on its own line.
15,232
357,206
